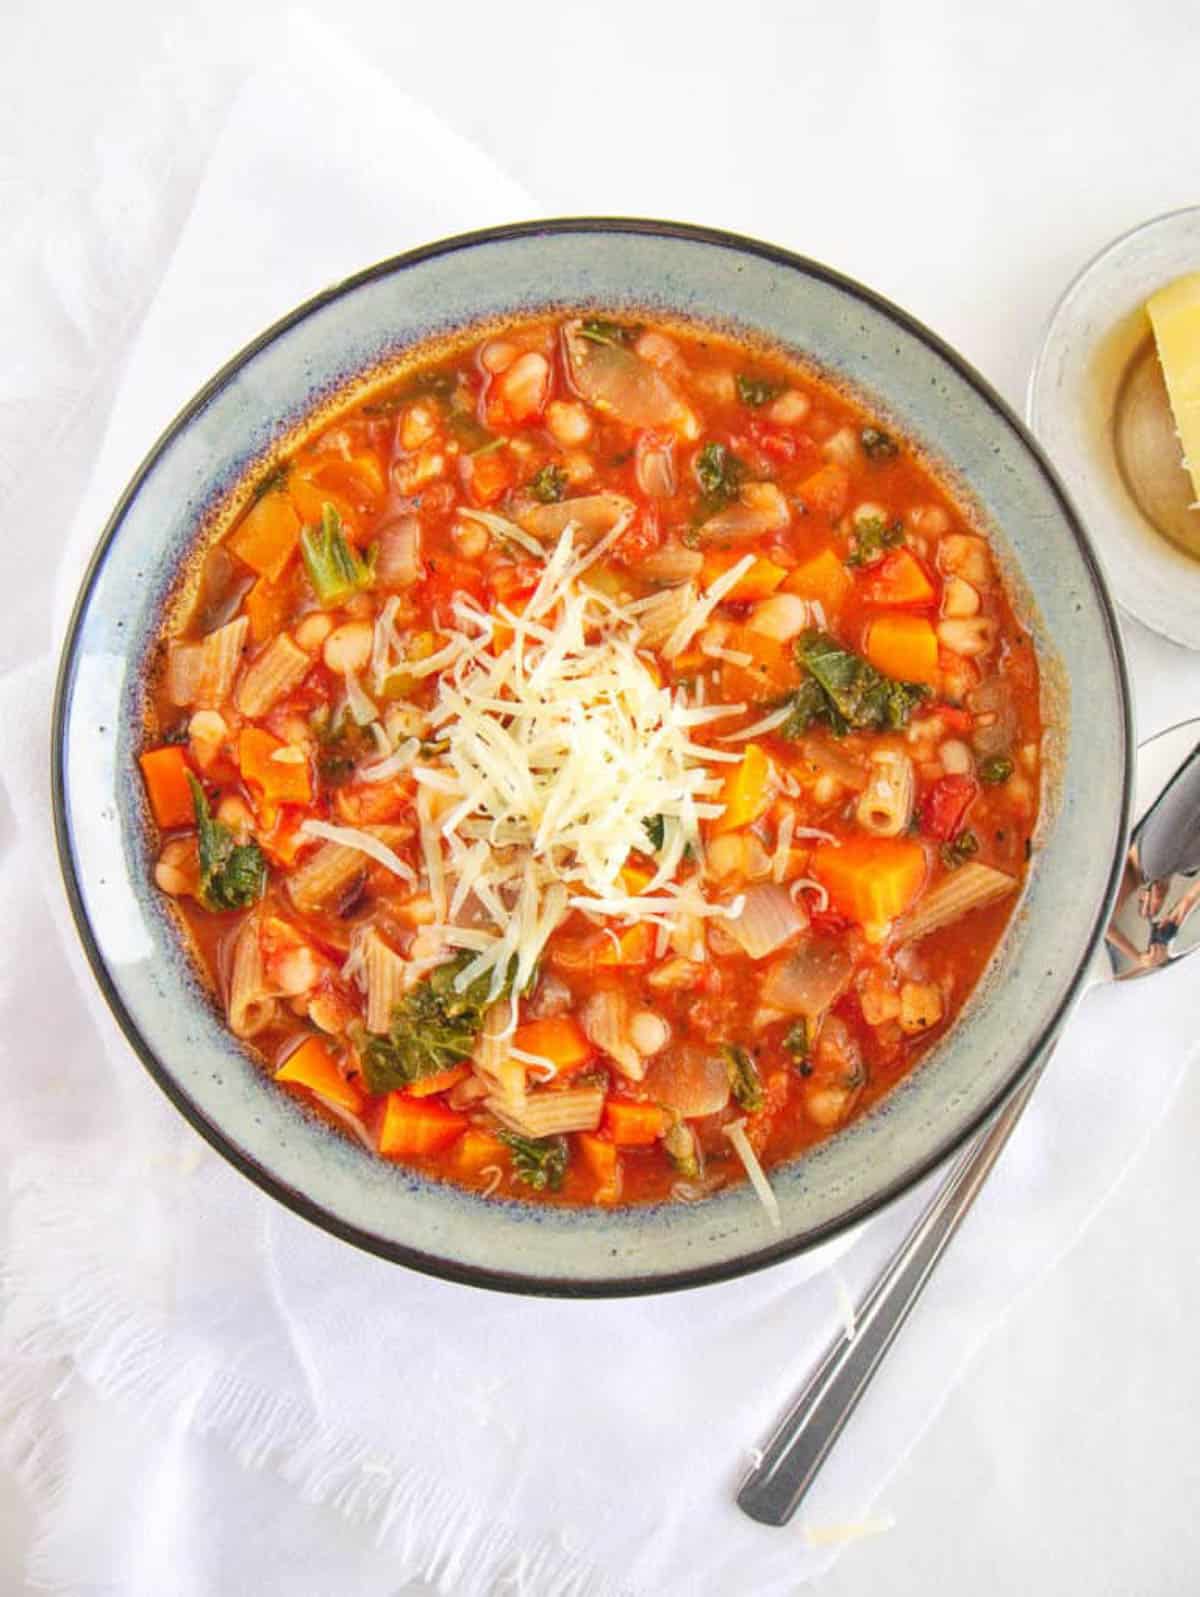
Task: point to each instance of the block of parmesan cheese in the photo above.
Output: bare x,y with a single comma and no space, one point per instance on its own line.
1175,316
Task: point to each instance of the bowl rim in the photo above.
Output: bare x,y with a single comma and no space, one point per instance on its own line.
414,1257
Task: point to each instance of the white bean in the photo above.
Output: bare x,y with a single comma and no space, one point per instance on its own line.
781,617
568,422
956,758
959,599
470,539
348,647
791,407
969,636
311,633
649,1032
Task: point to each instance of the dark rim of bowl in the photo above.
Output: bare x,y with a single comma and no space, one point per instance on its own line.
449,1269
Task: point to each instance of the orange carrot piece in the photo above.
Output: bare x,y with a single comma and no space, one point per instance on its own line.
266,536
633,1125
635,878
772,670
440,1081
603,1163
487,476
633,946
477,1149
416,1126
313,1066
266,608
747,790
822,577
279,781
898,579
759,582
827,490
871,879
903,646
561,1040
165,772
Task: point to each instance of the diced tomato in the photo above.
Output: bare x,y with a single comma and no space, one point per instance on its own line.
945,805
487,477
827,490
953,718
642,538
510,582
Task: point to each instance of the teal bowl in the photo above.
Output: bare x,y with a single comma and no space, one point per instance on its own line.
855,339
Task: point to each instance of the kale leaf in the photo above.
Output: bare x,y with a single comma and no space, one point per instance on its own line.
656,830
797,1044
878,445
843,691
549,485
433,1027
600,331
745,1083
755,391
274,481
959,850
232,875
872,536
540,1162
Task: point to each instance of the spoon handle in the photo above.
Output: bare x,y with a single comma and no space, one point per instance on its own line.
775,1486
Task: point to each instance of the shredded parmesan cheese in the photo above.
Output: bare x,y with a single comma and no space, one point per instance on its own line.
736,1132
353,837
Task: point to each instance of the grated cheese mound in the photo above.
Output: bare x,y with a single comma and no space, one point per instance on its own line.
558,748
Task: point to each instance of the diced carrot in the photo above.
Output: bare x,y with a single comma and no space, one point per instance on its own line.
635,878
309,498
478,1148
898,579
165,772
561,1040
487,476
279,781
603,1162
772,670
689,661
417,1125
747,790
633,946
871,879
903,646
266,535
267,606
759,582
822,577
633,1125
313,1066
281,836
827,490
440,1081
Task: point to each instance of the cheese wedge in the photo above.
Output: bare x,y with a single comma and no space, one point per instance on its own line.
1175,317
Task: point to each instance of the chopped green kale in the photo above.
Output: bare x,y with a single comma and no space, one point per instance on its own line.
471,433
432,1028
679,1145
232,875
845,692
798,1044
335,568
872,536
745,1083
274,482
656,830
995,770
600,331
755,391
720,475
540,1162
549,485
878,445
959,850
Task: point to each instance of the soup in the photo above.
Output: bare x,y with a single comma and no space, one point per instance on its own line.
597,766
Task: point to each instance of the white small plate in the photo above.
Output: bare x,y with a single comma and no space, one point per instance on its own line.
1097,326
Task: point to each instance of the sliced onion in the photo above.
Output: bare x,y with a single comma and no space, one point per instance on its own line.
769,919
654,465
691,1080
670,564
605,1020
809,979
759,509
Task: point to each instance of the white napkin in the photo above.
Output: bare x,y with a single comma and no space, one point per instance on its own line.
484,1442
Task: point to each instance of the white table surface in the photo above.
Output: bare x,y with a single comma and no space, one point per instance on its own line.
1012,144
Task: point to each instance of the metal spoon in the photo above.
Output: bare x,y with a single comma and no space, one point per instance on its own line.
1151,926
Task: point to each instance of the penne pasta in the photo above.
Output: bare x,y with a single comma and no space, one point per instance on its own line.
970,887
385,971
321,881
202,674
885,805
549,1114
281,666
250,1008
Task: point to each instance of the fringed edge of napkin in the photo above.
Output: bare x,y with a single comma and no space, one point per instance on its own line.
90,1331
